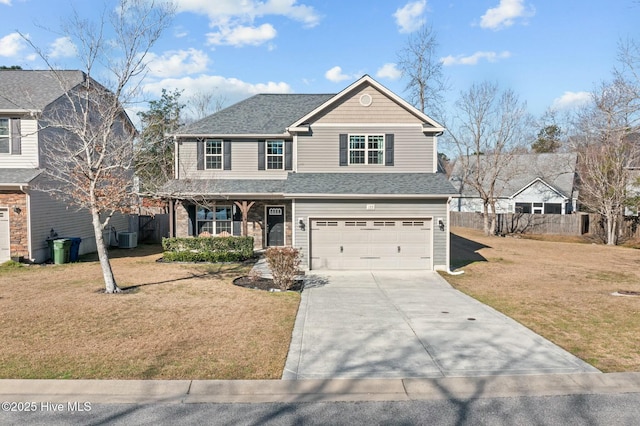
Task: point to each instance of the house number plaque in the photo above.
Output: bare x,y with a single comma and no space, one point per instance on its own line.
274,211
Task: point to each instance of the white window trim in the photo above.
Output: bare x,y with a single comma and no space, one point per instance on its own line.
221,155
215,221
366,149
267,155
8,134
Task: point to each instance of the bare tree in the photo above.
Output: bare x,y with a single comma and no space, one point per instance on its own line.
88,139
488,128
422,69
202,104
605,137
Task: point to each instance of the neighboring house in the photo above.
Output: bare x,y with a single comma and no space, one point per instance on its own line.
528,183
28,216
350,179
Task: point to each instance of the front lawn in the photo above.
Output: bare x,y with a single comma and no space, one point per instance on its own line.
561,290
176,321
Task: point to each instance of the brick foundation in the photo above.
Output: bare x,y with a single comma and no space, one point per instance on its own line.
18,222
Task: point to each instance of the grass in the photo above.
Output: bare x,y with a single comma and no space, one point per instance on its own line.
560,288
175,321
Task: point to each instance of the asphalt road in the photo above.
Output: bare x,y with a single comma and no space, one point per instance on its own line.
607,409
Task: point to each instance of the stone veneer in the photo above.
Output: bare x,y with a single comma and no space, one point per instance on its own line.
18,222
256,220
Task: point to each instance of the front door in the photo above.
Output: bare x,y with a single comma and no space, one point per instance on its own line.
275,226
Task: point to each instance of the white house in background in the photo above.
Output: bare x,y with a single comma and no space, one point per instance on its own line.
27,216
530,183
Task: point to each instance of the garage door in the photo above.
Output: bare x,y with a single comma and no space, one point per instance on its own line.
5,253
370,244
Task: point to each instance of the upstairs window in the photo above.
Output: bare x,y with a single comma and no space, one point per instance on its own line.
366,149
275,155
5,136
213,154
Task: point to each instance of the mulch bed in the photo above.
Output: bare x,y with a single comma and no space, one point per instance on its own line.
266,284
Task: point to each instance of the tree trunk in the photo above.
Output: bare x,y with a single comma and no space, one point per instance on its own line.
485,217
611,229
103,255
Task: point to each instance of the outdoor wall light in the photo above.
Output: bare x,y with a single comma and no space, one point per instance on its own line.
301,223
17,209
441,224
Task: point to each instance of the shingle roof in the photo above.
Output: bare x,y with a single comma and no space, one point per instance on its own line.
35,89
18,176
369,183
556,169
196,187
375,184
265,114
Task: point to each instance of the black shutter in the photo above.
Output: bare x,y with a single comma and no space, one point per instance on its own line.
288,155
200,150
16,137
227,154
388,149
191,212
344,150
261,155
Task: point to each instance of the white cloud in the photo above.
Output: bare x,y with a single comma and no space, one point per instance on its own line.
389,71
505,14
475,58
63,47
336,75
11,45
410,17
177,62
242,35
230,89
571,99
7,2
233,21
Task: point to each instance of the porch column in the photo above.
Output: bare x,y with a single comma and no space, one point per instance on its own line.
244,207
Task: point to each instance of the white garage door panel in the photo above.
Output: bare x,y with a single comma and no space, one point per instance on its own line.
371,244
5,244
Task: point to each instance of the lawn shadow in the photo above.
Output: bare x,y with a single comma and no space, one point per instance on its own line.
465,252
211,270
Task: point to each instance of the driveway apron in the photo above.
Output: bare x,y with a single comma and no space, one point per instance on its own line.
404,324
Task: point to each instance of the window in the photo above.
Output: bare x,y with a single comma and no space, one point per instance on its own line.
275,155
523,208
213,154
214,221
366,149
552,208
5,136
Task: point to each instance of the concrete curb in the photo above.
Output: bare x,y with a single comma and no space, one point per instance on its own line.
283,391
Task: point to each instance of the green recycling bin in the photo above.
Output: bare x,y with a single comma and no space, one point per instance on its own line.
61,250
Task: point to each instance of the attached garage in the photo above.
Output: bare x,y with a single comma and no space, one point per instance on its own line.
371,243
5,244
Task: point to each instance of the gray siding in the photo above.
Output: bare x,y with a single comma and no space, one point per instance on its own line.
382,110
244,163
413,150
29,150
47,213
312,209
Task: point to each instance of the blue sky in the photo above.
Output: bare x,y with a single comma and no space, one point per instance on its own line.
550,52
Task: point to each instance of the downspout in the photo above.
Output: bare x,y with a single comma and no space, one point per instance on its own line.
448,230
28,214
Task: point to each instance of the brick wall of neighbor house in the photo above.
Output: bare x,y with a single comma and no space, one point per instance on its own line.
18,221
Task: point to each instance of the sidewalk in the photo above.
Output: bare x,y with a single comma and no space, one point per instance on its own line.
282,391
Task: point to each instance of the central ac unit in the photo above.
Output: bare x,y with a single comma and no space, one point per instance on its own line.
127,239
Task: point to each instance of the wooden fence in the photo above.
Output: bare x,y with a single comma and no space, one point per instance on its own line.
150,228
524,223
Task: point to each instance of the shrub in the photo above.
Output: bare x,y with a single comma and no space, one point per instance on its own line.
207,249
284,262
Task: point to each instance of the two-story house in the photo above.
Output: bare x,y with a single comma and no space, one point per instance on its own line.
350,178
29,216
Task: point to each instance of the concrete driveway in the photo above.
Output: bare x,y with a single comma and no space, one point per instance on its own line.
404,324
